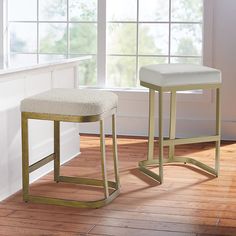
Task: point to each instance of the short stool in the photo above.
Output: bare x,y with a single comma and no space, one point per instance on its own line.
70,105
172,78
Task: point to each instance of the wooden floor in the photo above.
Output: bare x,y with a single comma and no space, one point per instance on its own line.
189,202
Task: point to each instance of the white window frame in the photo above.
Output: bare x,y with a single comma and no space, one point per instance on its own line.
102,35
3,34
101,43
101,46
38,22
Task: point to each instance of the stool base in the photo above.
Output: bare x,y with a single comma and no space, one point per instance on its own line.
75,203
104,183
172,141
143,166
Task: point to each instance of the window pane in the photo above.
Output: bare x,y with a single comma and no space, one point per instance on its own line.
121,38
50,10
44,58
186,40
19,10
153,39
83,10
53,38
187,10
121,71
121,10
190,60
153,10
21,60
87,71
20,38
144,61
83,38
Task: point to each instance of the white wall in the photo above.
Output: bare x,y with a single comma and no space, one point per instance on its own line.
195,113
224,58
12,90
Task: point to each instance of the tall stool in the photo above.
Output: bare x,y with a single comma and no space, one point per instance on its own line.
70,105
172,78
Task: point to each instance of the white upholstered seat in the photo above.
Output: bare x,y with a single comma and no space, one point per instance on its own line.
164,75
74,102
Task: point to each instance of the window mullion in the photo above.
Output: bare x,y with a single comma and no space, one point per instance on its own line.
38,44
169,44
67,30
137,44
207,32
101,43
3,34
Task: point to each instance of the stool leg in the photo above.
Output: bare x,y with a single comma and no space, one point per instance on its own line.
151,128
161,136
103,159
25,157
218,130
172,126
56,150
115,155
143,165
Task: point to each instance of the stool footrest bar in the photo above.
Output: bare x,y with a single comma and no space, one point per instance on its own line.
41,163
182,141
86,181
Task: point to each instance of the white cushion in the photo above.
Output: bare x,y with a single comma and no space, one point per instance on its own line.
76,102
164,75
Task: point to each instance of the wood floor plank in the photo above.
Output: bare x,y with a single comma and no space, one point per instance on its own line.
74,219
22,231
5,212
48,224
138,232
125,214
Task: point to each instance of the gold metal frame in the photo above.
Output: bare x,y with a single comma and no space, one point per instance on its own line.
114,187
172,141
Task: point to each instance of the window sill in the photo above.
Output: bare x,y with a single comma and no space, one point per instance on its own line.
11,72
142,94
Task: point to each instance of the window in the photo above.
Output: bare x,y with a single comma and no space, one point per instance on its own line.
123,35
46,30
151,31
